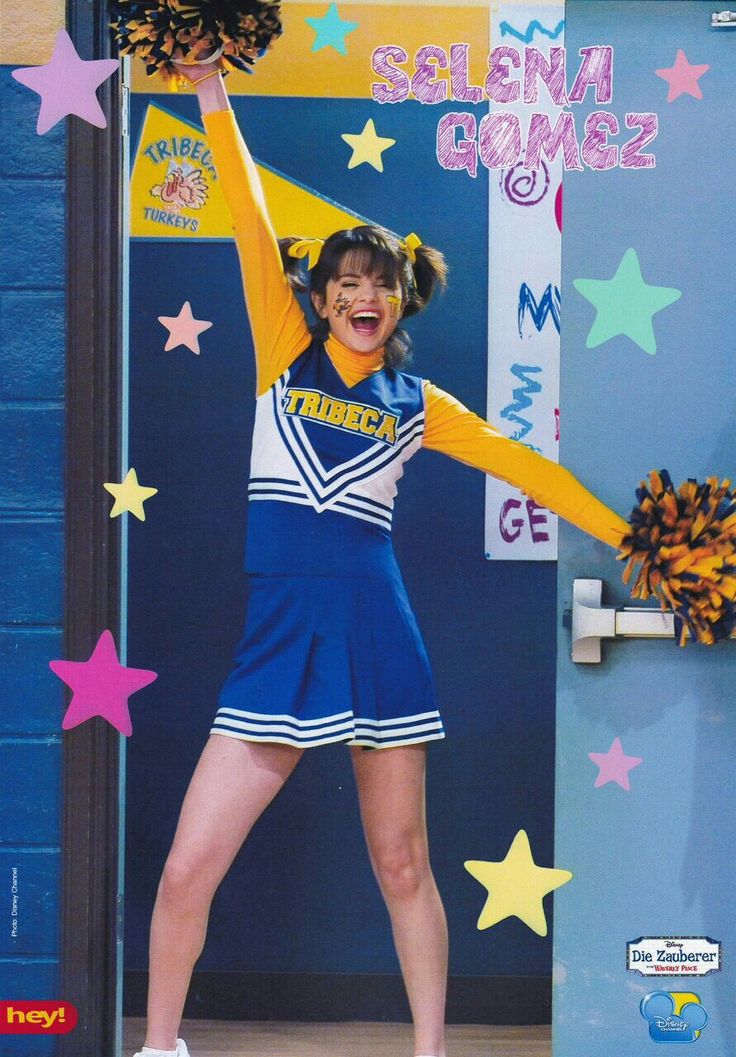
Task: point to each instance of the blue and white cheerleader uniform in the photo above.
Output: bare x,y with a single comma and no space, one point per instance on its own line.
331,650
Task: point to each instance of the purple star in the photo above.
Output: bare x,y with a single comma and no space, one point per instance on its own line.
614,765
67,85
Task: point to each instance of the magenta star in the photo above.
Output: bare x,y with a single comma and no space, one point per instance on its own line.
101,686
682,77
67,85
614,765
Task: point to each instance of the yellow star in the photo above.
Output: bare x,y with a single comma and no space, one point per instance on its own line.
516,886
367,146
129,495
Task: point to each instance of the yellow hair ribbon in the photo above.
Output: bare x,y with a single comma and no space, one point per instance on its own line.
310,248
410,245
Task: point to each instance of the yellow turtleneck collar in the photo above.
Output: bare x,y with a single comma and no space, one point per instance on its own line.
353,366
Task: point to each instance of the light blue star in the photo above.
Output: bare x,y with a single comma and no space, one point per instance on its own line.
331,30
625,304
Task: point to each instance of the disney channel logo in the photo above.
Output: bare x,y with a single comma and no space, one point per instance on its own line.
673,1016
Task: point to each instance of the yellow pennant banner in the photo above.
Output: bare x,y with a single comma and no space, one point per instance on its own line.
175,192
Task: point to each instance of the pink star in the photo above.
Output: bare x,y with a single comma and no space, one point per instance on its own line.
67,85
614,765
101,686
682,77
184,329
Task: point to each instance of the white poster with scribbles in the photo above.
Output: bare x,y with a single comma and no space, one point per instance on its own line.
525,149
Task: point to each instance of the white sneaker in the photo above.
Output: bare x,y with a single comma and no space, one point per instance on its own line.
181,1050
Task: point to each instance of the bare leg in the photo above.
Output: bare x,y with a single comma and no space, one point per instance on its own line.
391,791
232,784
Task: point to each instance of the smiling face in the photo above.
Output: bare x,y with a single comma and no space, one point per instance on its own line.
362,308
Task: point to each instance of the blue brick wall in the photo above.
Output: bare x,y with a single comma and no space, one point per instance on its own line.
32,276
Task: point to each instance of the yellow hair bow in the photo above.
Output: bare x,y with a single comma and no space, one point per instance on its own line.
309,248
410,245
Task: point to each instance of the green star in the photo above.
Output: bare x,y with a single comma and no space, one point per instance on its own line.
331,30
625,304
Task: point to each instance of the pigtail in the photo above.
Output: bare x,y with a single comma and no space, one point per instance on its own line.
292,266
429,271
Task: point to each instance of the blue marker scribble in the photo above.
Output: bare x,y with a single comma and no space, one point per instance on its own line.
548,306
522,399
528,35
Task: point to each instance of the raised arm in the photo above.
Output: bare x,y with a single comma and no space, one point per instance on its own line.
454,430
280,331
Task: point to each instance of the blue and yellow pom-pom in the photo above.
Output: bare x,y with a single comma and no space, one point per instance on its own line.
682,547
162,32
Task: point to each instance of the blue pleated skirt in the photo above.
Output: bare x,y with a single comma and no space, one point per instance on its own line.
326,659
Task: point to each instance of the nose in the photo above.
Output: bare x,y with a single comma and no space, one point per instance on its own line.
368,291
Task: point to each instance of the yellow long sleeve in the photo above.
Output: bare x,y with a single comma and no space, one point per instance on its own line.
454,430
280,334
280,331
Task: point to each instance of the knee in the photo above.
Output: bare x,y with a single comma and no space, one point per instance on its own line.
184,882
401,868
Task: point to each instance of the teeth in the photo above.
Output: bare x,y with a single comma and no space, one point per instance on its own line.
366,315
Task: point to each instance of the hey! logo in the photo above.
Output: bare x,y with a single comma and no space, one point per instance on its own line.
37,1018
674,1016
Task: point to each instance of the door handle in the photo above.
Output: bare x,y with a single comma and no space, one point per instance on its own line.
592,622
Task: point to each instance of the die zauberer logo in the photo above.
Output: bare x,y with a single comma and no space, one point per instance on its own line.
673,955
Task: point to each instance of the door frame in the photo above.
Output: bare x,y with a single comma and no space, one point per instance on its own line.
90,921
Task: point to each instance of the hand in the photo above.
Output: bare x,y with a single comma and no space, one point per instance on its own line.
195,71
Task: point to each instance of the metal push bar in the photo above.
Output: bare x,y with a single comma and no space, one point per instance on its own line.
591,622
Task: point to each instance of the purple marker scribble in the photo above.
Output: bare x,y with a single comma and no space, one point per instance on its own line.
510,530
542,137
595,69
557,423
466,93
537,516
397,90
552,73
522,399
548,306
462,154
498,88
508,535
499,140
597,152
424,83
558,208
525,188
630,156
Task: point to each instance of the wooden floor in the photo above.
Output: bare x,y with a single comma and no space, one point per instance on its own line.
209,1038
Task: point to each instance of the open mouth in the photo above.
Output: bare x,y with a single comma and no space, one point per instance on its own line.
366,322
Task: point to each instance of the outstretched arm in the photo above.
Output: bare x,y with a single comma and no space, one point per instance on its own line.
454,430
280,331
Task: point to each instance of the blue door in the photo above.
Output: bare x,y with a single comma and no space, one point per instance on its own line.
656,859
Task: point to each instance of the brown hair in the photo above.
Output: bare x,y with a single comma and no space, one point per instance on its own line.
369,249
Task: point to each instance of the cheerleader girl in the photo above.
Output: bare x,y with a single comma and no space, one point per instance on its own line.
331,651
